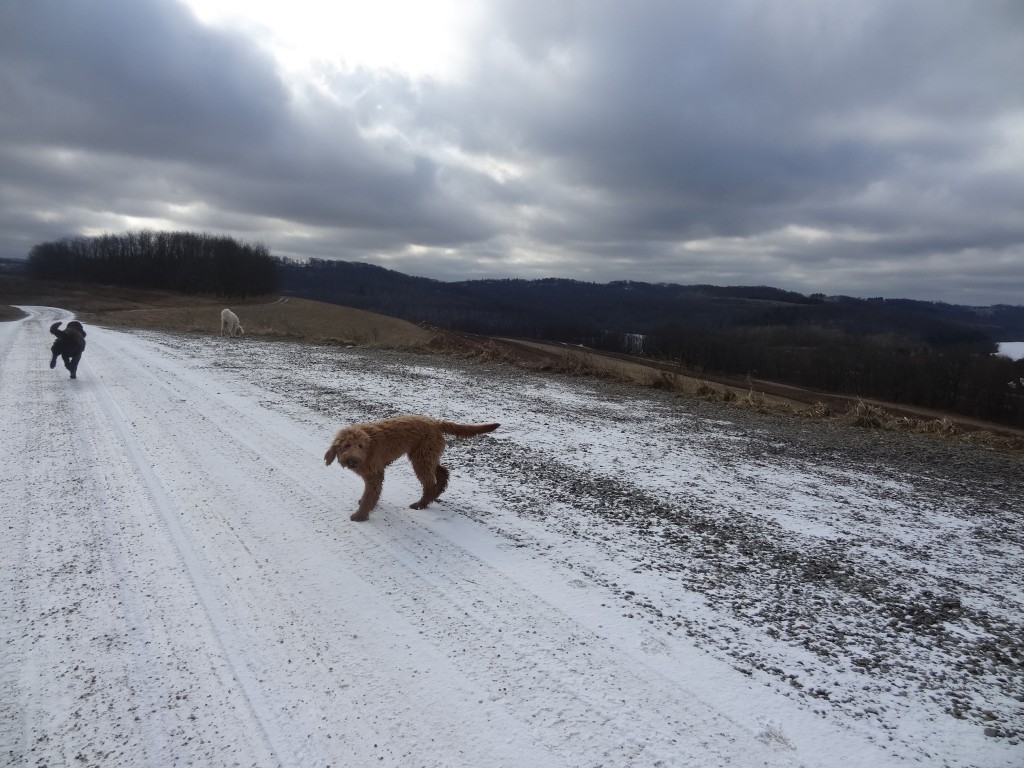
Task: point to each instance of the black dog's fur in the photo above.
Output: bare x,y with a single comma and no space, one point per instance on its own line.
70,345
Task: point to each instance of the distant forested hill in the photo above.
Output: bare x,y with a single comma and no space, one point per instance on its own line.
558,307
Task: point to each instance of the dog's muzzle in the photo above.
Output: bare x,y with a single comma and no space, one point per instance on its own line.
351,463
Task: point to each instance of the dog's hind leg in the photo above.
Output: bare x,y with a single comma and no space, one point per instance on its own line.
442,482
371,495
433,478
71,363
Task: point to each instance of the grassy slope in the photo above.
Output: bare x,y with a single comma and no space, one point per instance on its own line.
273,317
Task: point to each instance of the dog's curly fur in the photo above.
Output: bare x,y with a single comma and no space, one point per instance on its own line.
367,449
70,345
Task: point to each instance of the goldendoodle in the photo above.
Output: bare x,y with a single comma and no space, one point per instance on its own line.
367,449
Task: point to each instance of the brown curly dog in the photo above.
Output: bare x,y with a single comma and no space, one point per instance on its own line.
367,449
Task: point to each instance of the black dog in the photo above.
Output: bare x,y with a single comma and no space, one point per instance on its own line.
70,345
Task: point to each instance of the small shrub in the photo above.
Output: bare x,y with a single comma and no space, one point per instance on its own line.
666,380
705,391
943,427
753,400
863,414
819,411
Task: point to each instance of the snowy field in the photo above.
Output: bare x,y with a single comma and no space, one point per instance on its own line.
614,577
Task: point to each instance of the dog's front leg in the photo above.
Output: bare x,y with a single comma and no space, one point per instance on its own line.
371,495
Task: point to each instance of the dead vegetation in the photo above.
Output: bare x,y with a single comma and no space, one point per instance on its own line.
864,415
571,363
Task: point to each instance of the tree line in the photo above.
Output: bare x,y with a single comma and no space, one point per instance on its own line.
183,262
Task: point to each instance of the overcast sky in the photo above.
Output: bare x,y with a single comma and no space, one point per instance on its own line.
868,148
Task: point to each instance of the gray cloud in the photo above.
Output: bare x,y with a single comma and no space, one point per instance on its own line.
133,78
868,148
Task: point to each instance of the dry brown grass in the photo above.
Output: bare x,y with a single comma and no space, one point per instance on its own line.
860,414
818,410
865,415
873,416
577,364
15,289
567,363
487,352
283,318
665,380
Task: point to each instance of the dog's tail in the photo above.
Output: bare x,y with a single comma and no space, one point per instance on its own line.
467,430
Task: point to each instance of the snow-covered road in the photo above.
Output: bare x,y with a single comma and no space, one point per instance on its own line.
181,584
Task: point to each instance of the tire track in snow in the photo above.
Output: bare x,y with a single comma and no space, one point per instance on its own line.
62,463
271,728
17,662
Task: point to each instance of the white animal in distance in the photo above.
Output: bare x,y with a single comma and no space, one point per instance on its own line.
229,320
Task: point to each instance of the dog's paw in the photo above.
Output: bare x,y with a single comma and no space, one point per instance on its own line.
360,517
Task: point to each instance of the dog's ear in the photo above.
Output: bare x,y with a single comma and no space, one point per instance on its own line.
331,455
